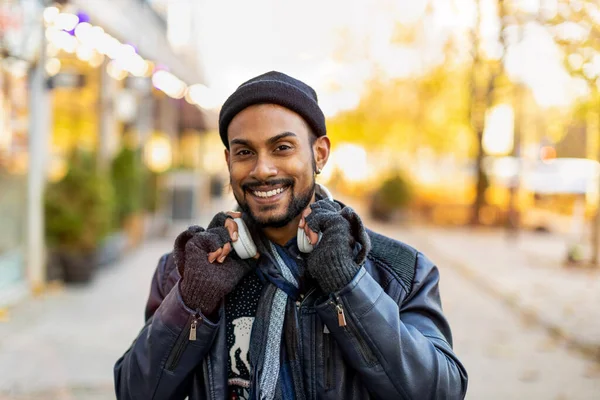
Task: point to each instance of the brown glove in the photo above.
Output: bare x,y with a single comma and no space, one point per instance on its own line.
204,284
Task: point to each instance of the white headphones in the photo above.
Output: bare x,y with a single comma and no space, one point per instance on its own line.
245,247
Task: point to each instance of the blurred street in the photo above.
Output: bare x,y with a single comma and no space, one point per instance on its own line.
467,129
64,344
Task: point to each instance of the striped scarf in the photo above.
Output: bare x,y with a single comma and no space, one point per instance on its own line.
275,353
276,369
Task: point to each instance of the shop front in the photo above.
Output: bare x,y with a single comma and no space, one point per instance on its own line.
66,84
13,183
18,49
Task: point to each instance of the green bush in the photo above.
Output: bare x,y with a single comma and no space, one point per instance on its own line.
394,194
151,188
128,179
79,208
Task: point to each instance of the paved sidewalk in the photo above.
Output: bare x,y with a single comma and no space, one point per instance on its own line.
527,273
63,345
506,356
67,342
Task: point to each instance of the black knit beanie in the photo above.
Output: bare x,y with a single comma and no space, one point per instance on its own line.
274,88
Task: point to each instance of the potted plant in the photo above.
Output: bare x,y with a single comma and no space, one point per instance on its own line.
127,180
390,200
78,211
155,222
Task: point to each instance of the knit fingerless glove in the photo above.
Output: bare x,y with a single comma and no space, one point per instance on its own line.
203,285
336,259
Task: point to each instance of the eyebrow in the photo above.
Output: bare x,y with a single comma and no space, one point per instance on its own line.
283,135
272,140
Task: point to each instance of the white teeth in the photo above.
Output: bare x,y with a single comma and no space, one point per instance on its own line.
269,193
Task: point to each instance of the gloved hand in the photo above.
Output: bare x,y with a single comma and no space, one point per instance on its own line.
205,283
337,257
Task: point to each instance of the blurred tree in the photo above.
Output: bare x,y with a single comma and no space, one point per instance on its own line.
426,107
481,85
575,25
441,105
489,83
410,113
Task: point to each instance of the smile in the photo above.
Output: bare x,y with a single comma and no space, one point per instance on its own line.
267,194
270,193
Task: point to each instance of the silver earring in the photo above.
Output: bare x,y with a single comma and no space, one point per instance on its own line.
318,171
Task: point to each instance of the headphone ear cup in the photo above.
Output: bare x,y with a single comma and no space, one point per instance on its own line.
303,242
244,246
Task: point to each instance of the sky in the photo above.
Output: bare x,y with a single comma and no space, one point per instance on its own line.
336,46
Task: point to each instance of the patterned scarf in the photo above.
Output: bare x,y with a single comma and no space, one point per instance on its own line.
276,368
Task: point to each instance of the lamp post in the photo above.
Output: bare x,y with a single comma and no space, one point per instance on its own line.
39,135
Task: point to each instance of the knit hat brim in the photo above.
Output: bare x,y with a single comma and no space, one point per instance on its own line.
272,92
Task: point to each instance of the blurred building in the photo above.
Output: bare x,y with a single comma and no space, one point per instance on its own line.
20,45
95,75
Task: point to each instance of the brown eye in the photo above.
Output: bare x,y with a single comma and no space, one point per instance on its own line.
243,153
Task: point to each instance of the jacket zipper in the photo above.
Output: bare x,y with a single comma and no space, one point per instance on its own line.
365,351
328,359
188,334
299,307
306,297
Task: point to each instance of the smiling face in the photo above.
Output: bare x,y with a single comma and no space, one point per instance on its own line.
272,159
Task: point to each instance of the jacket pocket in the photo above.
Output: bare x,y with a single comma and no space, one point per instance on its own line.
338,380
187,334
348,323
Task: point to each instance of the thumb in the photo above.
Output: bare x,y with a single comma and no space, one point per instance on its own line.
180,244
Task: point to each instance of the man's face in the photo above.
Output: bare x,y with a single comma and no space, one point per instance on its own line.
271,163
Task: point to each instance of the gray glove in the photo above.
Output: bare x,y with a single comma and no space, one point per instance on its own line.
203,284
336,259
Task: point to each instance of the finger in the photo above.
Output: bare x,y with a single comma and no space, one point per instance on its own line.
313,237
214,255
256,256
226,250
306,212
232,228
234,214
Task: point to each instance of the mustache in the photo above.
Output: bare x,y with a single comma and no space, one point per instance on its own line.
272,182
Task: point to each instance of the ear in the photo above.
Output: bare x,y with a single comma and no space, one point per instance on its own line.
321,149
227,158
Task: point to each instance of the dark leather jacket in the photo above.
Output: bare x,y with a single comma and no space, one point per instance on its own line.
397,343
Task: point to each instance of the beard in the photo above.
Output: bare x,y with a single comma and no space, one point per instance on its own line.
297,204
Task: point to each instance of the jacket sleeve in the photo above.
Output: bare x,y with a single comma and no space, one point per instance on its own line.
160,362
401,352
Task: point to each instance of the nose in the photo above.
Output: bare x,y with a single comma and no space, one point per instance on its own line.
264,168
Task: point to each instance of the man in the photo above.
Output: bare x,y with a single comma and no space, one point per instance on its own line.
358,317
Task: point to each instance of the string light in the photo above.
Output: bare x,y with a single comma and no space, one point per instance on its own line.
75,35
66,21
50,14
52,66
169,84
